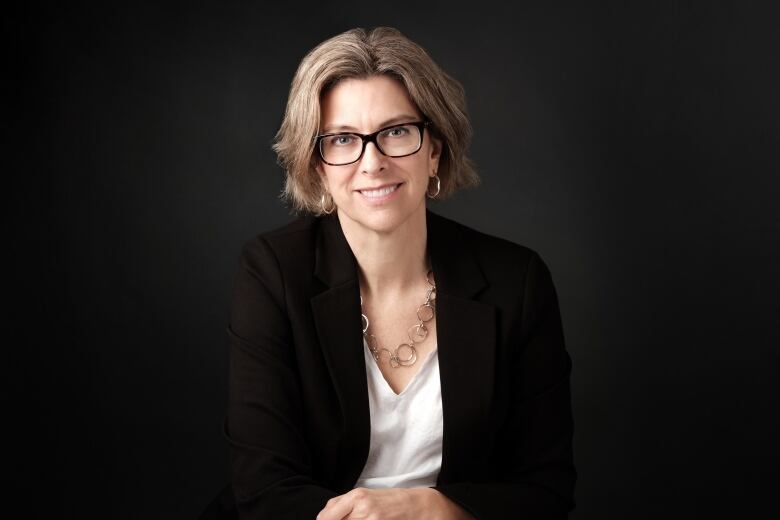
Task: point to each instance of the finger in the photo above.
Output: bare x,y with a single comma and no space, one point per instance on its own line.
337,508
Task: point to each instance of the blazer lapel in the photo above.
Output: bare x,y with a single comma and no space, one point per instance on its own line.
466,332
336,314
466,335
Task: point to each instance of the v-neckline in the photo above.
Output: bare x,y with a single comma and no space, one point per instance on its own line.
370,359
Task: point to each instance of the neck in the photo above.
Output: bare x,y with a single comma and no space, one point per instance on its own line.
389,262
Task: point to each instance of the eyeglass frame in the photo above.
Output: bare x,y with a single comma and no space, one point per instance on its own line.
371,138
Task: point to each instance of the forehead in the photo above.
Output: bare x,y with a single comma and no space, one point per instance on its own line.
365,104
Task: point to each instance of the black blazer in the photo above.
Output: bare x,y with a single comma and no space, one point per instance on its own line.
298,416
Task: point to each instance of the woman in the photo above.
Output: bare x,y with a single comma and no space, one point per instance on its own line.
387,362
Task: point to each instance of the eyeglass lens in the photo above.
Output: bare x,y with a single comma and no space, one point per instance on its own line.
396,141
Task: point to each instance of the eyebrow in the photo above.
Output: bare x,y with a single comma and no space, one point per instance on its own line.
346,128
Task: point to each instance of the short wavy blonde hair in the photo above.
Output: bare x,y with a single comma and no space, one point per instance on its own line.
360,54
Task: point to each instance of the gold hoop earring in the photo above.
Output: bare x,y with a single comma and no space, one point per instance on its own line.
438,187
322,204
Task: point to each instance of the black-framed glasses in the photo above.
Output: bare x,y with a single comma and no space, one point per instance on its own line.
344,148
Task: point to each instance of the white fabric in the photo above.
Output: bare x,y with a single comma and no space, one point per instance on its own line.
406,428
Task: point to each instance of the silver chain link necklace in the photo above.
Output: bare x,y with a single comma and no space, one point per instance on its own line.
416,332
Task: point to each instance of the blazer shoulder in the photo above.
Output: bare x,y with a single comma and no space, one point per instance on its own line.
290,240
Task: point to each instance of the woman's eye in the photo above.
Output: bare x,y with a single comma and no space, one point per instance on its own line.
398,131
341,140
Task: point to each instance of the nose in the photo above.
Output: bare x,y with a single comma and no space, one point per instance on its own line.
373,161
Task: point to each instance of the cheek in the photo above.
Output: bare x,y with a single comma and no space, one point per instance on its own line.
327,175
336,179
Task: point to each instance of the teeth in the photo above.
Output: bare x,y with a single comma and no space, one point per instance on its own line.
379,193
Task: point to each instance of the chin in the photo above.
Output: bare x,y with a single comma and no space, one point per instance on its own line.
382,224
379,221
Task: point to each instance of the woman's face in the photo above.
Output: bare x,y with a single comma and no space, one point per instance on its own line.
364,106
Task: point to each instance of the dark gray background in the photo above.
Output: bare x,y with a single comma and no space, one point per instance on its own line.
634,147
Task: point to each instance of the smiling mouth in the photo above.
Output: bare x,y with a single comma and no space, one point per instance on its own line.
381,192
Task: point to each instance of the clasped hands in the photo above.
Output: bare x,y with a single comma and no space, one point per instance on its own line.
392,504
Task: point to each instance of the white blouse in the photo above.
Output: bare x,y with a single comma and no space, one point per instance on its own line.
406,428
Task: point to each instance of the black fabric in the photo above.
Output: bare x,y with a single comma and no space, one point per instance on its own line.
298,420
223,507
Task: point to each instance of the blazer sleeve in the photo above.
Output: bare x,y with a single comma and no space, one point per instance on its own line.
269,459
538,481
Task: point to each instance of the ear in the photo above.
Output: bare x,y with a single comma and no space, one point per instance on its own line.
321,172
436,149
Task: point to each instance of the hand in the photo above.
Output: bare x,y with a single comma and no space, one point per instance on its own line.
392,504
